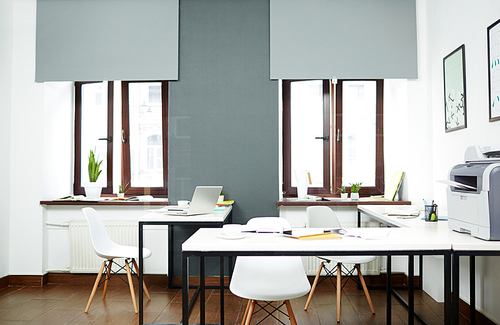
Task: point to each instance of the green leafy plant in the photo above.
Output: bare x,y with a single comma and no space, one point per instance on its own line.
94,166
121,188
355,187
342,189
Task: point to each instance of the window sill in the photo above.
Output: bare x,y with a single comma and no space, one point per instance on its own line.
104,201
338,201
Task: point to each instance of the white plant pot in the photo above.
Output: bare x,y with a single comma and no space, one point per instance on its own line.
121,195
344,196
355,196
93,190
221,198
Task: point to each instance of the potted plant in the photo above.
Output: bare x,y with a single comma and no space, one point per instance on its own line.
93,189
343,193
121,190
355,190
221,196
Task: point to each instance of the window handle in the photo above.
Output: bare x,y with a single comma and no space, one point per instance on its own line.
124,140
338,135
327,138
109,139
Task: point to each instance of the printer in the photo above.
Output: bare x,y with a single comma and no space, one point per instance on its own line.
473,193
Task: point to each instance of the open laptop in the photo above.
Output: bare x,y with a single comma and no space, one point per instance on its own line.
203,202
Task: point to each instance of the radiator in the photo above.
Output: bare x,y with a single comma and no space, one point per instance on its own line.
311,265
83,259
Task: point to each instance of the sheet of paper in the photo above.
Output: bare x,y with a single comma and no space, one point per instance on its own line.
457,184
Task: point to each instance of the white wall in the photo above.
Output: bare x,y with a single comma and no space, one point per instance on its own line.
444,25
6,27
26,146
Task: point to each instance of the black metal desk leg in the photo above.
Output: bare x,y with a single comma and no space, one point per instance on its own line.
202,290
170,255
456,283
389,290
447,287
472,286
421,272
359,218
222,290
185,290
141,274
411,289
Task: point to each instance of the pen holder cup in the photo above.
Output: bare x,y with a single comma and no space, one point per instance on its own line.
431,213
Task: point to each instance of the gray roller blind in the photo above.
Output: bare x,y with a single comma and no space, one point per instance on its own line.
322,39
107,40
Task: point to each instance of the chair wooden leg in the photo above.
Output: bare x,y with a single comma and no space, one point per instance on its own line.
339,289
367,294
143,283
250,313
107,278
290,312
313,287
246,312
131,285
96,284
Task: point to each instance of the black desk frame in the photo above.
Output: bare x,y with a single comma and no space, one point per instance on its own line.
472,280
411,253
420,265
170,257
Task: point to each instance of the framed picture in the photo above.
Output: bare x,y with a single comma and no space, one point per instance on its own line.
455,115
494,70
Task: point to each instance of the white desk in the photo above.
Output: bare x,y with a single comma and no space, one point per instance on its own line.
216,219
461,244
400,241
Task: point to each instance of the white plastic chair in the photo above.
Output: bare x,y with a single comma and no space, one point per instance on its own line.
324,217
268,278
104,247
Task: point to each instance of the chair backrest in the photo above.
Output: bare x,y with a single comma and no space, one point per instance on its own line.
322,217
100,239
269,278
268,223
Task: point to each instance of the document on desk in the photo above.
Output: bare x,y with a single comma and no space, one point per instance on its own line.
311,234
363,233
403,213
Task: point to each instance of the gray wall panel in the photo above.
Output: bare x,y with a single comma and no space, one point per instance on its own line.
223,110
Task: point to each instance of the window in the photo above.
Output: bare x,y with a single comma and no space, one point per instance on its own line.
93,131
331,152
144,113
143,152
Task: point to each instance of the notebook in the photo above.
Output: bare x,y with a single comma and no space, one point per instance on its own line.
203,202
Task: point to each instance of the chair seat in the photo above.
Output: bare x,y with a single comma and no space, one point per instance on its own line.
122,251
281,278
349,259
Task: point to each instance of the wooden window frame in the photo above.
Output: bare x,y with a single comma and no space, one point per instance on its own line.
77,185
288,189
332,151
125,175
379,142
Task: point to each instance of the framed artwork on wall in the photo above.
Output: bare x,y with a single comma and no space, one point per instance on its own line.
455,114
494,70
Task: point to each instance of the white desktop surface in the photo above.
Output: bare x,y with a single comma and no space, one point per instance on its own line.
398,239
440,229
217,216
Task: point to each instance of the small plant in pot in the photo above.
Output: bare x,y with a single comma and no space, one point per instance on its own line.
355,190
221,197
93,189
121,190
343,193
